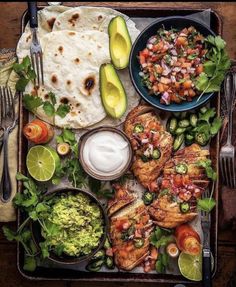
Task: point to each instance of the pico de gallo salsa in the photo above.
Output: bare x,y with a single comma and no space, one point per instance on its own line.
171,62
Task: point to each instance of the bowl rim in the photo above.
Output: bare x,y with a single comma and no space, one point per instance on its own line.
82,142
167,108
70,260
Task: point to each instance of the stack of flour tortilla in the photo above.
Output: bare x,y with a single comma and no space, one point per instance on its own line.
75,44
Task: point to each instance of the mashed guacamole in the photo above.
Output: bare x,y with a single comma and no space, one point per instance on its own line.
80,223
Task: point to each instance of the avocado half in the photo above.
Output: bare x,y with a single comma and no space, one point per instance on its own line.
119,42
112,92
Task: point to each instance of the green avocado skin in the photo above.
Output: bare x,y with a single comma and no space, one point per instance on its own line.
112,92
119,42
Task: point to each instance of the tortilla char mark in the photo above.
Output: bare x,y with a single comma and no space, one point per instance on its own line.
64,101
89,84
54,79
60,49
73,19
51,22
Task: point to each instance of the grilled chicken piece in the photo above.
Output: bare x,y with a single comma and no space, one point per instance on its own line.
147,135
130,231
167,214
193,181
121,199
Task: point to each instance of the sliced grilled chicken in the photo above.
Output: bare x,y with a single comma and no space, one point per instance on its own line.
151,144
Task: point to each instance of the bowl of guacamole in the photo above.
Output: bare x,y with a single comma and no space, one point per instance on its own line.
74,228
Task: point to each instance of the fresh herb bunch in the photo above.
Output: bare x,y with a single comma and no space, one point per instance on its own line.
31,103
215,67
25,72
37,207
70,166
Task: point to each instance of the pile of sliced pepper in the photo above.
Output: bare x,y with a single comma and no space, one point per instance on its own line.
198,127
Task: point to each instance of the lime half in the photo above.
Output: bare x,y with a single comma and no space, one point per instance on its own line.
190,266
41,162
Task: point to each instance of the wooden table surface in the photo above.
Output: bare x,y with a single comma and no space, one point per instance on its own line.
10,15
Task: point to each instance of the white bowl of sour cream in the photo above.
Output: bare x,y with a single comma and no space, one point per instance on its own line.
105,153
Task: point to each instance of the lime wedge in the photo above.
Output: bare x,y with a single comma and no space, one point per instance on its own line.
190,266
41,162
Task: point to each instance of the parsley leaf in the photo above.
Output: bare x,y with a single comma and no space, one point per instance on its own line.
25,72
206,204
31,102
21,84
29,263
215,126
206,164
62,110
48,109
210,113
215,68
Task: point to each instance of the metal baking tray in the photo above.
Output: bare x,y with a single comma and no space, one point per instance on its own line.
43,273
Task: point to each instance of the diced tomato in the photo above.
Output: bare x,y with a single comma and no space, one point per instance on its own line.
182,60
152,78
165,183
158,46
155,88
174,98
181,41
187,84
153,186
158,69
177,85
186,65
161,87
165,80
178,180
145,52
142,59
199,69
120,224
191,93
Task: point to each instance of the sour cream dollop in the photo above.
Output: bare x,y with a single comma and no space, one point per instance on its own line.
106,153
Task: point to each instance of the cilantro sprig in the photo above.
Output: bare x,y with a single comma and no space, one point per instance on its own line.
25,72
215,68
31,103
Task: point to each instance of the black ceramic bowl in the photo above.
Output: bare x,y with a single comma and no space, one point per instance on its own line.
177,22
64,258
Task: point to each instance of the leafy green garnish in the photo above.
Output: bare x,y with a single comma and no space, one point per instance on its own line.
97,187
216,126
215,67
62,110
32,102
206,164
30,263
206,204
210,113
70,166
161,237
48,108
25,72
